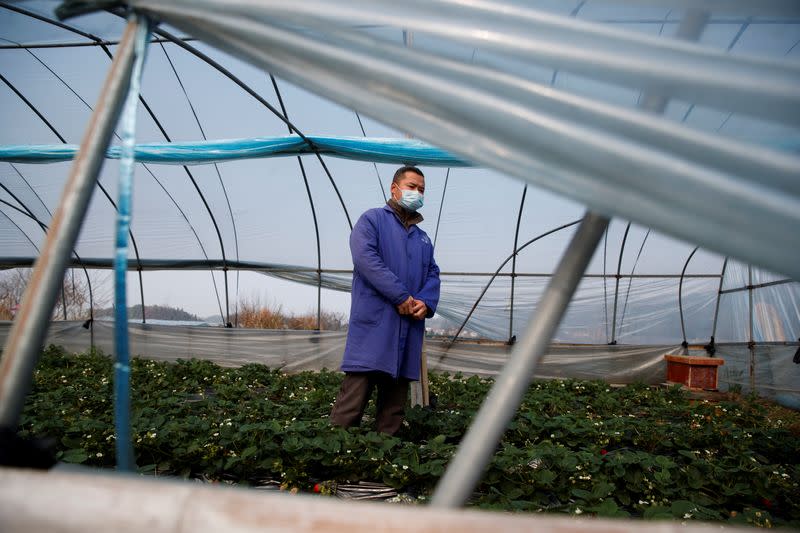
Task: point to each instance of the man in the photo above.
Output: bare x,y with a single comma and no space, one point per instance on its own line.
395,288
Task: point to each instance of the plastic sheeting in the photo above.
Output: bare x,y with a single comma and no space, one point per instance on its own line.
576,147
398,151
648,309
262,207
775,375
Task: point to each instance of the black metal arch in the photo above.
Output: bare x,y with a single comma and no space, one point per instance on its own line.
44,228
22,231
710,347
313,209
630,279
514,265
573,13
281,116
605,285
199,192
743,26
377,174
74,44
28,213
224,191
222,70
616,286
660,32
99,185
100,43
33,191
441,206
504,263
680,295
25,234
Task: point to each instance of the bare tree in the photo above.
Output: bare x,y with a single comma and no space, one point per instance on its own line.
74,299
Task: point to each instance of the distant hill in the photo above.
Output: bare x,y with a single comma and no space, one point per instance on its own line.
157,312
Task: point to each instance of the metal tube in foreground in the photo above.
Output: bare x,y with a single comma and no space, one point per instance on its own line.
30,326
476,448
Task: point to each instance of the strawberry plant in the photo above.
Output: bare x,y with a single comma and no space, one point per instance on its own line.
574,446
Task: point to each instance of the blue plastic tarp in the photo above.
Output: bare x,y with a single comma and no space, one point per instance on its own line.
379,150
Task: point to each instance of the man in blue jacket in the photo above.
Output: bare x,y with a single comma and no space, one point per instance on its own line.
395,288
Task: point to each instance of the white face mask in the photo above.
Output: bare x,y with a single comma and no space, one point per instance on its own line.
411,200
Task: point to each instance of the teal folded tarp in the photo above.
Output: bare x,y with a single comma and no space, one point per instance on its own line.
379,150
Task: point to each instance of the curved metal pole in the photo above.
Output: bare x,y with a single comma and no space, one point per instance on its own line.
680,296
514,266
377,174
616,286
30,214
199,192
99,42
496,272
313,210
63,294
691,27
102,44
751,344
64,141
30,327
476,448
27,212
222,70
63,291
441,206
605,285
67,44
630,279
24,233
719,296
221,183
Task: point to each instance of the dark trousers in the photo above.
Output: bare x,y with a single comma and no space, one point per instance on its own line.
354,395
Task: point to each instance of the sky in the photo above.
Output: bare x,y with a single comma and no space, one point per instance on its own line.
263,212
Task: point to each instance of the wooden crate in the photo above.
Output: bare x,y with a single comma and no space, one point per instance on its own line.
692,371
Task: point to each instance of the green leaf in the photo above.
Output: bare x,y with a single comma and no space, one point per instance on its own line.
249,451
71,442
513,494
695,478
438,439
658,512
602,489
608,508
662,477
545,477
75,455
582,493
680,508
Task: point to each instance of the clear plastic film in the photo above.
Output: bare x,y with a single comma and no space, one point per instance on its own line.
669,67
693,200
774,375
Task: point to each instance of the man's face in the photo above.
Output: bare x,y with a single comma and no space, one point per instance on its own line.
410,181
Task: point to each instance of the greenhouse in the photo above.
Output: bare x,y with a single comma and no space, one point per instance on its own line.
608,182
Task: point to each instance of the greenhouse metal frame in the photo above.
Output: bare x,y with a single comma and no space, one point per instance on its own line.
747,189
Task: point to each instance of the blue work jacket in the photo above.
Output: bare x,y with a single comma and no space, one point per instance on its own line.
390,263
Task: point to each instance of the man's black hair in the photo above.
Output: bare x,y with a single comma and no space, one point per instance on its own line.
406,168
